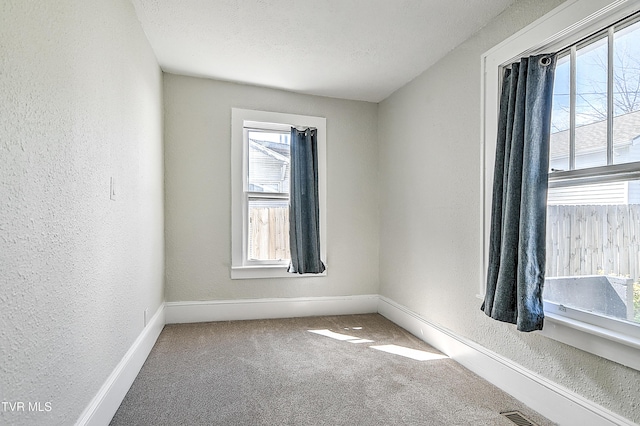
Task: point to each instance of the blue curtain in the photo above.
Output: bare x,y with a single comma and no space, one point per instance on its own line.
304,206
515,276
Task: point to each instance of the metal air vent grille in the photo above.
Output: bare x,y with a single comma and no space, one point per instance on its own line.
517,418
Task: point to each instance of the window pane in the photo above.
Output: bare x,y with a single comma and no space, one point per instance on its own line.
268,229
591,104
559,143
269,154
593,249
626,95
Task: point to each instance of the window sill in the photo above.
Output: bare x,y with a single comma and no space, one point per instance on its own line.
267,271
617,347
612,345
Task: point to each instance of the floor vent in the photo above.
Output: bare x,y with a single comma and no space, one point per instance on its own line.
518,418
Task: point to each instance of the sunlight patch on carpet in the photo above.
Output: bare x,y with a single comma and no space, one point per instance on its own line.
409,353
339,336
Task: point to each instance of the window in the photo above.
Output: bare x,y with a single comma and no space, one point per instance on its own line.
592,287
593,214
266,193
260,154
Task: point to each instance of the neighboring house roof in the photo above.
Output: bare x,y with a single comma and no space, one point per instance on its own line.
275,150
592,137
269,166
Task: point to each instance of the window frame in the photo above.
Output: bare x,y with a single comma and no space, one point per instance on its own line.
241,121
569,23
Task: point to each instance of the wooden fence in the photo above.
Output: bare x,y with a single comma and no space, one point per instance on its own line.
581,240
269,233
593,239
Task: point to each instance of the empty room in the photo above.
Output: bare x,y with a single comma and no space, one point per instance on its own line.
350,212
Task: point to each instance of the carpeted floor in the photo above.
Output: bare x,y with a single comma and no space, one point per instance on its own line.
277,372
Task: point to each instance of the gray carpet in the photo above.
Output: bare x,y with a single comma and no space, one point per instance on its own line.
277,372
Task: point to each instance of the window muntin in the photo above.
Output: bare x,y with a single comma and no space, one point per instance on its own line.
593,214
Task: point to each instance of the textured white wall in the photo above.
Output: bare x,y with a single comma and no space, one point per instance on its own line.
429,133
81,102
198,197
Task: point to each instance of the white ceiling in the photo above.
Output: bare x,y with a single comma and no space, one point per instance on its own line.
350,49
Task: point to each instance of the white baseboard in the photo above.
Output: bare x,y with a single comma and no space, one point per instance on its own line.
104,405
555,402
549,399
245,309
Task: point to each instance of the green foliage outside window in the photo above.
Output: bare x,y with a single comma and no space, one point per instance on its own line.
636,300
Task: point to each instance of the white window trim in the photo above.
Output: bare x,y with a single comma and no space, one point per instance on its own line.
239,268
561,27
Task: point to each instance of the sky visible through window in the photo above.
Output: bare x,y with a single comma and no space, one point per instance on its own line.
591,80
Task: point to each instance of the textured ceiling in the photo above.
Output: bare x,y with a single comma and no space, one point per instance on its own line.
351,49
